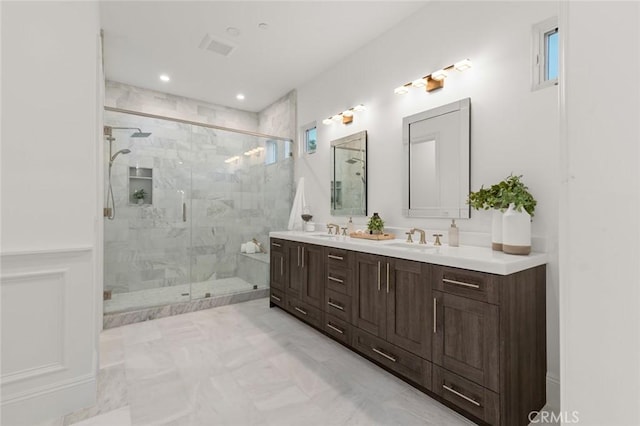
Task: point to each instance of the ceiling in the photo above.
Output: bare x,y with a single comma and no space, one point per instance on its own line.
143,39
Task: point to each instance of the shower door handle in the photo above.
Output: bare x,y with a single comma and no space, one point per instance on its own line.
184,212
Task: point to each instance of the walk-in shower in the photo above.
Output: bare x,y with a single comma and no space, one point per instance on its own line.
207,192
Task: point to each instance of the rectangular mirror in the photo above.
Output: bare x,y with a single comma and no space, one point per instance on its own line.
349,175
436,160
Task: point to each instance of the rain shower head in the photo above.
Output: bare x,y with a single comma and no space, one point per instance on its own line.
353,160
138,134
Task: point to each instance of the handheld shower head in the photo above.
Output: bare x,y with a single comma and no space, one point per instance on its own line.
122,151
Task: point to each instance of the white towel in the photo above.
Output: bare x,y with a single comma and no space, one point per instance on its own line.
295,219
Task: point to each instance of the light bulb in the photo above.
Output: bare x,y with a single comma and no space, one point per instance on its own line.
439,75
401,90
462,65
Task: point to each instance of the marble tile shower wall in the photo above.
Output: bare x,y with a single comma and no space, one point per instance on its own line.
150,246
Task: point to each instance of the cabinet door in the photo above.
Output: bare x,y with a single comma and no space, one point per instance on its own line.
369,299
279,270
294,283
467,338
408,312
313,270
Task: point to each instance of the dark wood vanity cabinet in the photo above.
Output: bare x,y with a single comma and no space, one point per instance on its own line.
391,301
489,342
279,272
475,340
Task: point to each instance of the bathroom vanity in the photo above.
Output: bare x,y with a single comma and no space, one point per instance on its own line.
465,325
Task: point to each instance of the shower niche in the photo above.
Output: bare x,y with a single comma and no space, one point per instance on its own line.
140,183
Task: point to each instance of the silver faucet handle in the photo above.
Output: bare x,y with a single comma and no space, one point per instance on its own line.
330,228
437,242
344,231
409,239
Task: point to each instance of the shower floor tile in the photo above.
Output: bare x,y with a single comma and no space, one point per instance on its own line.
245,364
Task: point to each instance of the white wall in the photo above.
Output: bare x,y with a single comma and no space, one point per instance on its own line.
49,208
512,128
599,221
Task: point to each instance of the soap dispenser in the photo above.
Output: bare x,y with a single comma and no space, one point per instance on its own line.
454,236
350,227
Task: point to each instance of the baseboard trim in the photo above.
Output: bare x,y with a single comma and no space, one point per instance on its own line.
49,402
553,393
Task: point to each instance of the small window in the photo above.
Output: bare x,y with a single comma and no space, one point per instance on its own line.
271,155
309,138
545,54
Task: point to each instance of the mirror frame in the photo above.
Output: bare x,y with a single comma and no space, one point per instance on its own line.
463,210
362,135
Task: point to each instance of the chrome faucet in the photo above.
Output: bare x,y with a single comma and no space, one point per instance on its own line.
330,227
423,240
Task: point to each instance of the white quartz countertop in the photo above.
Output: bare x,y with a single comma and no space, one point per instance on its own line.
481,259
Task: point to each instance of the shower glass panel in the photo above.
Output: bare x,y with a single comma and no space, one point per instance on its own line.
211,192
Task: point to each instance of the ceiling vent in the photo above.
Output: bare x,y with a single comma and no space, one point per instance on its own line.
219,46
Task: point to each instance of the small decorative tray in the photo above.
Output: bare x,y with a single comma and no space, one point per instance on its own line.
375,237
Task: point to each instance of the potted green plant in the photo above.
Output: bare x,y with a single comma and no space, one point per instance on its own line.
139,195
375,224
500,197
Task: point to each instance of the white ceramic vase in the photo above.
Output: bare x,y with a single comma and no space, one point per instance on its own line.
516,231
496,230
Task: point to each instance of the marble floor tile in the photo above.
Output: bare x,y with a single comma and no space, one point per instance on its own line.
119,417
245,364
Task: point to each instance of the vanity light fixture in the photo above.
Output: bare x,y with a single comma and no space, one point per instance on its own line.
462,65
345,117
421,82
435,80
439,75
232,159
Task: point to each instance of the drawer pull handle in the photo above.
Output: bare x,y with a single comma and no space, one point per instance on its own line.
334,328
333,305
435,317
337,280
276,245
466,398
331,256
379,352
282,266
387,278
446,280
300,310
276,298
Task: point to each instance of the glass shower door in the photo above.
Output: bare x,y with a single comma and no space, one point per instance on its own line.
147,244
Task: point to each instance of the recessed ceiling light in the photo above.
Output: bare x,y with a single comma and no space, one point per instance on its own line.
240,97
164,78
263,26
233,31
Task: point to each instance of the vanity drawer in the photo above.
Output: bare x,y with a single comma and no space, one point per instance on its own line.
340,330
339,258
473,398
471,284
305,312
277,245
404,363
338,305
340,280
278,298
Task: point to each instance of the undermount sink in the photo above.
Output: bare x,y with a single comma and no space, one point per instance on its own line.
412,246
323,235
